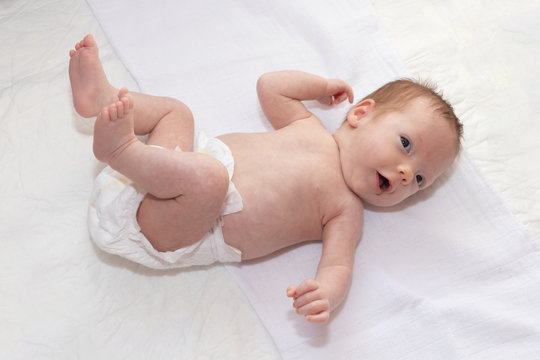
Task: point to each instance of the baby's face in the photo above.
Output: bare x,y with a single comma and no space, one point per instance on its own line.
396,154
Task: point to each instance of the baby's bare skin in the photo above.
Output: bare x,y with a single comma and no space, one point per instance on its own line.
293,204
297,183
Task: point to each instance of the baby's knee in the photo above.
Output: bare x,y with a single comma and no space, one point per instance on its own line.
213,178
181,109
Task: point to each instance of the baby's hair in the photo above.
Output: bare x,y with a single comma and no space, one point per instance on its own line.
395,95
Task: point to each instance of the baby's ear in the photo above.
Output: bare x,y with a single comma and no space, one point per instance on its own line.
360,111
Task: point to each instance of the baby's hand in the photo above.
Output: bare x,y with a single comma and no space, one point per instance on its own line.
337,91
310,300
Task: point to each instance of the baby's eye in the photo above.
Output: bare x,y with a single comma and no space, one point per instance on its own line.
419,179
406,143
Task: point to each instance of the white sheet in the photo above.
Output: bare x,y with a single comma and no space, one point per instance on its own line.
440,278
62,298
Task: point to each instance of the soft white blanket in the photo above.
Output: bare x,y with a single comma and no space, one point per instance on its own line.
450,274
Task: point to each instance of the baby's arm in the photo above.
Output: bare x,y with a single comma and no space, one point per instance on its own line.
316,298
281,94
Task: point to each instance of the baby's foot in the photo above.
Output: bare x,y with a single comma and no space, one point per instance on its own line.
90,87
113,130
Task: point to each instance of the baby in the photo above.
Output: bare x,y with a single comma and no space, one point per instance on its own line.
179,200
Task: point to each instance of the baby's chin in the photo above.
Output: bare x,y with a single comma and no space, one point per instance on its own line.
380,201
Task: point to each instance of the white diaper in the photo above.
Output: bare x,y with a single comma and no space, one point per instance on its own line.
112,219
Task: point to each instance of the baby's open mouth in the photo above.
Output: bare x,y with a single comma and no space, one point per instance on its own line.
383,182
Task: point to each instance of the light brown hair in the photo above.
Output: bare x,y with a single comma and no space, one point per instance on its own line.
395,95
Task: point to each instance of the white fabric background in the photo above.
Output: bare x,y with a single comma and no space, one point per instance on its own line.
63,298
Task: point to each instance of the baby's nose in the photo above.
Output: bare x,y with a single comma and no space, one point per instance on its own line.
405,173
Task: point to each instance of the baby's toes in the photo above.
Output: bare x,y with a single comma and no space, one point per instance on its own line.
104,115
113,112
127,103
120,109
122,93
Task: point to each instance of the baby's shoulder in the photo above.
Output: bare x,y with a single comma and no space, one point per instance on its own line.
310,128
311,122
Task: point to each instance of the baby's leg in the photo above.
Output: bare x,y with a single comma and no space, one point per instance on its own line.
186,189
168,119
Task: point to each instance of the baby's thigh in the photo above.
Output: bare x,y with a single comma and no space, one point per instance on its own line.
171,224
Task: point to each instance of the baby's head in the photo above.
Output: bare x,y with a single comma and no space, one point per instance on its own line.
396,141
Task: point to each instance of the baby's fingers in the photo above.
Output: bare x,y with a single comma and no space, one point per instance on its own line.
327,100
319,318
291,291
347,93
306,298
313,308
339,97
350,95
305,287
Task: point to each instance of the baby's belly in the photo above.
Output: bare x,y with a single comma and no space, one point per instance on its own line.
280,183
258,232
